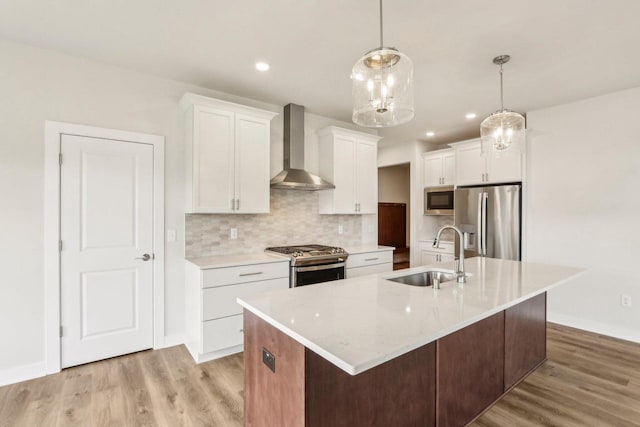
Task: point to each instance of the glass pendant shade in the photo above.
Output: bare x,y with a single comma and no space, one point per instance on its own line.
382,88
502,129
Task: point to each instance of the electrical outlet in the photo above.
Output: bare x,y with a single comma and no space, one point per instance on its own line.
233,233
625,301
340,229
171,235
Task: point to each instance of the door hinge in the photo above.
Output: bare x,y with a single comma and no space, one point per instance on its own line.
61,331
60,246
60,159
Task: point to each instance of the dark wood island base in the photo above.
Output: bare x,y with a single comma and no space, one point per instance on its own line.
449,382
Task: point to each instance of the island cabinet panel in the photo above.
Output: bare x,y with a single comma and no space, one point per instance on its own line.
470,371
272,398
525,338
397,393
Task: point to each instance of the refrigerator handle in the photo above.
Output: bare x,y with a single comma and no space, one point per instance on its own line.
479,231
485,198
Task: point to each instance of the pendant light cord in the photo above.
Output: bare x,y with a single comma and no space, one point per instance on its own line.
501,91
381,43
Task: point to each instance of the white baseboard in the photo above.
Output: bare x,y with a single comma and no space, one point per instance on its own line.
173,340
22,373
596,327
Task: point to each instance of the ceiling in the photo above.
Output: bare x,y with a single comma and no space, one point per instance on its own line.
561,50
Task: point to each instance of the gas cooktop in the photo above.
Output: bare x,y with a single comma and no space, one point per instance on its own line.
309,253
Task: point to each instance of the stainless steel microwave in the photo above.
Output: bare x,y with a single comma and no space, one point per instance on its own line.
438,200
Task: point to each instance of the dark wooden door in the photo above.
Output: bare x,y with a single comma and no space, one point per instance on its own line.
392,224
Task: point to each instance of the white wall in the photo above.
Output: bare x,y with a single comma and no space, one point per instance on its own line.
583,178
38,85
394,187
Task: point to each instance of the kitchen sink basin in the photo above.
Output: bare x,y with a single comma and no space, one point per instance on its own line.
425,278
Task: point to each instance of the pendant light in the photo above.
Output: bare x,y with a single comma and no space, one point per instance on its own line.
503,128
382,87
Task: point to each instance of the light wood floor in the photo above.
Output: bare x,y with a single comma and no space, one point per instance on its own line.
588,380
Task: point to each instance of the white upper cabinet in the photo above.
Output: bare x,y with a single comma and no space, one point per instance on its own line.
227,150
439,168
471,164
349,160
472,168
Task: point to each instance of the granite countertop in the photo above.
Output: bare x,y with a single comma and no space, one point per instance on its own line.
236,260
362,322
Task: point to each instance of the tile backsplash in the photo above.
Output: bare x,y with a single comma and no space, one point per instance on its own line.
293,219
432,223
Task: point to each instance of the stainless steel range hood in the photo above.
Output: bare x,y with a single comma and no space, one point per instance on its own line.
294,177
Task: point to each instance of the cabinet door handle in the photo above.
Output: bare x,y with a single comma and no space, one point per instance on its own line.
487,175
250,274
233,204
237,204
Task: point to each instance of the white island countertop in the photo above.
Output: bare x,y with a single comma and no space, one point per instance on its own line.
362,322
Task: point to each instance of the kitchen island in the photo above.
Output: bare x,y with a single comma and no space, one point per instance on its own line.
368,351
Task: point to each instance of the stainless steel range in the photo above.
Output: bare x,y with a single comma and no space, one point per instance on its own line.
312,263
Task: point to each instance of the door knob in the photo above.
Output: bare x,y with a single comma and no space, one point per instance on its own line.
145,257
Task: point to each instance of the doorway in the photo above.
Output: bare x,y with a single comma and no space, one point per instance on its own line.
104,281
394,211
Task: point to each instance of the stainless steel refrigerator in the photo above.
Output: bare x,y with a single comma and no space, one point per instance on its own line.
490,220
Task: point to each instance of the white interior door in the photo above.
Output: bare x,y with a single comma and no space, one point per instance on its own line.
106,227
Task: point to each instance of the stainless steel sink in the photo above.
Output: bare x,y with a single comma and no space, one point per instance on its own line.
425,278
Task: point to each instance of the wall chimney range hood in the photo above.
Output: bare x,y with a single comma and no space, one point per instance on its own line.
294,177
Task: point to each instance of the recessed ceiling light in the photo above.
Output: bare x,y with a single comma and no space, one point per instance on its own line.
470,116
262,66
430,134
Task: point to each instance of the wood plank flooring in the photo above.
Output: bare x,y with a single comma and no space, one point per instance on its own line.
589,380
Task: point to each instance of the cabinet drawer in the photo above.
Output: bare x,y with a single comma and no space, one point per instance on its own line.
221,301
222,333
246,273
369,269
369,258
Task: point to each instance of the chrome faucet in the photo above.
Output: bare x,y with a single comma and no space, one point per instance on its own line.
436,244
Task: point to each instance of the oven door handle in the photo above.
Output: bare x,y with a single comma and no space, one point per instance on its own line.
319,267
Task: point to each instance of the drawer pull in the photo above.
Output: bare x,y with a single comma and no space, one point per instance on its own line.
242,330
371,259
250,274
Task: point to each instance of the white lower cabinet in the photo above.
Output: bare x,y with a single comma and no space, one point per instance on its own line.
214,318
361,264
222,334
433,256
